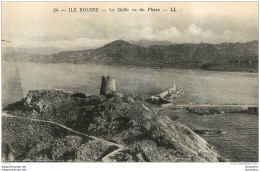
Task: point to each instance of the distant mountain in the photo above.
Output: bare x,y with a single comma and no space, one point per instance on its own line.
148,43
224,56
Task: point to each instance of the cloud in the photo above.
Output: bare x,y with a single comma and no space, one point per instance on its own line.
170,33
192,34
192,23
193,30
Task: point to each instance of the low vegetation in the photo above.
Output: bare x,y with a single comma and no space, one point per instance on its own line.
122,120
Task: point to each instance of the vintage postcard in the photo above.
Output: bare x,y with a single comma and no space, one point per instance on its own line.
130,82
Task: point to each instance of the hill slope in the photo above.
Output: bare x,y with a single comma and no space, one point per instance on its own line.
224,56
123,120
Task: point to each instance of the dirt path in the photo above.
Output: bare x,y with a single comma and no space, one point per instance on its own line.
104,159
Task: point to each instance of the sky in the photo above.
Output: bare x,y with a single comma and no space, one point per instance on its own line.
34,24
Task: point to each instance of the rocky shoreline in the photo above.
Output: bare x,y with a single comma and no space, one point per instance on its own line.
146,135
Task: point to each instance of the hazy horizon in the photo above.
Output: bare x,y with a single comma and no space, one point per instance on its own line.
35,25
4,49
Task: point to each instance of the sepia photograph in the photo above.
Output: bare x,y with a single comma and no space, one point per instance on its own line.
129,82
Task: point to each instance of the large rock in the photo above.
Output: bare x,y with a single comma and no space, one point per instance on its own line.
124,120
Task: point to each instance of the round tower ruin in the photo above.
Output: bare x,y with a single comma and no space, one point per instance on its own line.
108,85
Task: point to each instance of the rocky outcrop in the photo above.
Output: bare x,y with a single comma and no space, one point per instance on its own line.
25,140
222,109
136,133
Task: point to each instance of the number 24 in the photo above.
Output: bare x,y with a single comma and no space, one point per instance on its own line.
55,10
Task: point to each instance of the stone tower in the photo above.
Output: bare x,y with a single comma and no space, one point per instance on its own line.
108,85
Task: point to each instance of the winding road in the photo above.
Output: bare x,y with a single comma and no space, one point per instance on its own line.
104,159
